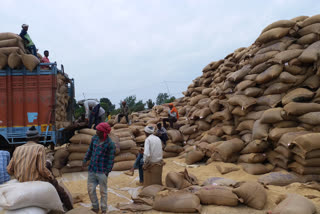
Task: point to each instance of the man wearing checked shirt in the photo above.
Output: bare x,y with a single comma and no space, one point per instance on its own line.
4,161
101,155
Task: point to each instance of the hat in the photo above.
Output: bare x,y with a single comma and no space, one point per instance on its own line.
24,25
32,133
170,104
149,129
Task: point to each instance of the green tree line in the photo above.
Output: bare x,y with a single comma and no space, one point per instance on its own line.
132,102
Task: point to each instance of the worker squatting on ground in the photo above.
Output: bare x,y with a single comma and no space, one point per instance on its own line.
152,153
124,112
27,40
28,163
101,154
173,116
97,112
4,161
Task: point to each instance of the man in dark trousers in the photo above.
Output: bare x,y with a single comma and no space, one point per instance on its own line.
27,40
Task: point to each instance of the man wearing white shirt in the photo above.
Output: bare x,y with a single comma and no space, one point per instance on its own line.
152,156
97,112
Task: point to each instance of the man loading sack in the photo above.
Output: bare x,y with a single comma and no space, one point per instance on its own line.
94,112
152,158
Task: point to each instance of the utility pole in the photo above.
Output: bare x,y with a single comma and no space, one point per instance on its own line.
165,82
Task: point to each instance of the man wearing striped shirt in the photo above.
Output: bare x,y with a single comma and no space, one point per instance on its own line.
29,164
101,155
4,161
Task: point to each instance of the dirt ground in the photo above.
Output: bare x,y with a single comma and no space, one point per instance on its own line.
121,187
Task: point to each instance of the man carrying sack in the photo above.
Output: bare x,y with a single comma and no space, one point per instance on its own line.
152,157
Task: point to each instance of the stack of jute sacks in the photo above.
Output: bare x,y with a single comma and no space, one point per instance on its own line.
13,53
245,107
62,99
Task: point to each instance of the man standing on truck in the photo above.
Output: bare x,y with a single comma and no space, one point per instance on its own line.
97,112
27,40
45,59
4,161
29,164
101,154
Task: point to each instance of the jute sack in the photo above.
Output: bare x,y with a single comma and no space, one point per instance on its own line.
169,154
280,178
286,56
29,194
269,74
88,131
75,163
123,165
311,118
252,193
8,51
217,195
284,151
67,169
245,125
311,53
310,20
7,35
280,23
276,133
252,158
173,148
314,28
226,169
295,204
259,59
277,88
239,74
175,135
269,100
60,158
177,202
151,191
272,34
218,181
128,144
78,148
9,43
241,100
14,61
30,61
76,156
272,115
286,77
229,148
307,142
141,138
304,170
312,154
312,162
294,108
3,60
152,173
287,138
260,130
193,157
296,95
255,146
81,139
188,130
124,157
257,168
120,126
180,180
308,39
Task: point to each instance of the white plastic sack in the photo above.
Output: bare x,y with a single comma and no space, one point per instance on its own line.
27,210
29,194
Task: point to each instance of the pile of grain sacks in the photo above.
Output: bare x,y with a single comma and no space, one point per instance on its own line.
252,105
13,53
62,99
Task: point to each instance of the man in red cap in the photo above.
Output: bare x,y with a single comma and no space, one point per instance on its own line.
173,116
124,112
101,155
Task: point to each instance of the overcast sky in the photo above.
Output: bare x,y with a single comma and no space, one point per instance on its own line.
117,48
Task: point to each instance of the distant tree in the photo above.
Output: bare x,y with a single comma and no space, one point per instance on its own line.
161,98
150,104
164,98
107,104
133,105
